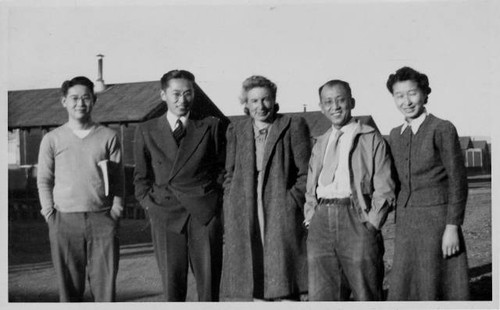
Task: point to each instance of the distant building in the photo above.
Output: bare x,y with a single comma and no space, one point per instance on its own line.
465,144
478,157
32,113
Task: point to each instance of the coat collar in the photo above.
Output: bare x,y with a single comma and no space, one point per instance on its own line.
279,125
361,128
247,134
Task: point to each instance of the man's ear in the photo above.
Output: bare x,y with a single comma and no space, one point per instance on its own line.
63,101
163,95
353,103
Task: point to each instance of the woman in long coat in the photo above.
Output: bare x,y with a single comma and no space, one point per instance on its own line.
264,237
430,260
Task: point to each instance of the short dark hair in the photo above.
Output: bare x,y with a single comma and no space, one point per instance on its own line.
332,83
79,80
175,74
409,74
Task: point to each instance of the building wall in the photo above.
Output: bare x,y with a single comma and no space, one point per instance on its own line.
128,132
478,160
29,145
14,142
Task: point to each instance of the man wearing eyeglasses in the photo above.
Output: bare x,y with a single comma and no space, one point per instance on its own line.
179,164
348,195
80,188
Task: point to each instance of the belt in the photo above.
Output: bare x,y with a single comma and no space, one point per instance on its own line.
337,201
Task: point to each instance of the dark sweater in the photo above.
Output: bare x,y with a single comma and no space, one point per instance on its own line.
431,168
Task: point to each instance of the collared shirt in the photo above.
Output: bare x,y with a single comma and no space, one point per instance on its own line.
172,120
414,123
341,185
260,136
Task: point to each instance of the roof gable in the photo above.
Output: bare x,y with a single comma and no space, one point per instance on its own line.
119,103
480,144
465,143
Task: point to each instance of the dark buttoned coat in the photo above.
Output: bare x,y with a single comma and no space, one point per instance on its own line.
183,180
285,162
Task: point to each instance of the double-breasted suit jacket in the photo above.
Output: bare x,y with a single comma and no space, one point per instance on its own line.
185,179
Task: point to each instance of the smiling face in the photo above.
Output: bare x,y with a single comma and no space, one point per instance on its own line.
78,102
336,105
260,104
179,96
409,99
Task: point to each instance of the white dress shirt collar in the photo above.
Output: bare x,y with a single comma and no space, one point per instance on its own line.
172,119
415,123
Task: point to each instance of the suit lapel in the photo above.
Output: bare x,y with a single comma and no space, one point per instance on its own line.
164,138
279,125
195,130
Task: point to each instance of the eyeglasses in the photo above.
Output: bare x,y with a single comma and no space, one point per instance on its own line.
185,96
84,98
331,102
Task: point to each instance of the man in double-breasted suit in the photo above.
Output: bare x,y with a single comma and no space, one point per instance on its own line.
179,162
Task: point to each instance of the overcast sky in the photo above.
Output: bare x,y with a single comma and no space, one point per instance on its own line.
298,45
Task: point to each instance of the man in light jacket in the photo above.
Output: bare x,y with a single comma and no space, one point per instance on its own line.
349,194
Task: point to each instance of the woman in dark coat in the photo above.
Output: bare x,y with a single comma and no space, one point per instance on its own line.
264,237
430,260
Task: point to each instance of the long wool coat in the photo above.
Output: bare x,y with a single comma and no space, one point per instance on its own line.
433,193
285,163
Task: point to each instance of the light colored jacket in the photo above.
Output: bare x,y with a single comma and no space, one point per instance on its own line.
370,174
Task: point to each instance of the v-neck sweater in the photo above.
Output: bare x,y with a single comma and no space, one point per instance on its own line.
69,178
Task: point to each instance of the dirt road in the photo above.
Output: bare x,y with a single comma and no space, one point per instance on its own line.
32,279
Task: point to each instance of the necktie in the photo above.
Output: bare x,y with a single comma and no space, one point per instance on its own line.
179,132
331,160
